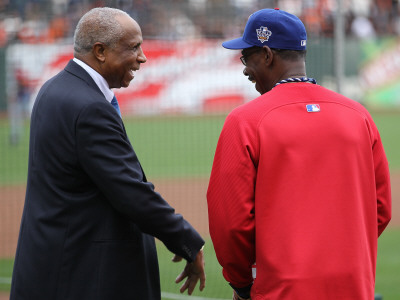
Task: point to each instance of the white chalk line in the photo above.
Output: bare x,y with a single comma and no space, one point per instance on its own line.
165,295
5,280
173,296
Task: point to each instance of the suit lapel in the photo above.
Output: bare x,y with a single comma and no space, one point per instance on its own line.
80,72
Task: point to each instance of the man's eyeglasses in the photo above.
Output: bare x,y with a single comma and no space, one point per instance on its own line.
245,56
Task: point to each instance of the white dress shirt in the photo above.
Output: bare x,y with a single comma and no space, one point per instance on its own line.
100,81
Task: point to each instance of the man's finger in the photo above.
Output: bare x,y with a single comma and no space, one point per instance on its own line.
202,282
192,285
176,258
180,277
185,286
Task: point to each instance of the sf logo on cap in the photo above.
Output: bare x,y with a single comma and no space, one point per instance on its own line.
263,34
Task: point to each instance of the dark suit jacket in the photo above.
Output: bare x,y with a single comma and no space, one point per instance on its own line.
90,215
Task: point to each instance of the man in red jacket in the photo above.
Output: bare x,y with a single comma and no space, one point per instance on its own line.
300,189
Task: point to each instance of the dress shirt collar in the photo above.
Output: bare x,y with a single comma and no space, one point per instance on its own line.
98,79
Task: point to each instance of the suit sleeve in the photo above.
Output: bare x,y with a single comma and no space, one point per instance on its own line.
230,198
107,156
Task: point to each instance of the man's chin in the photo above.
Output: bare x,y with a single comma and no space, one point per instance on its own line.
125,84
261,89
258,89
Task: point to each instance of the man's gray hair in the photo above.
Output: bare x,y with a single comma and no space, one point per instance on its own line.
98,25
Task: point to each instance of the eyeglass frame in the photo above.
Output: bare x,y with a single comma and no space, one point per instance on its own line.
256,48
244,57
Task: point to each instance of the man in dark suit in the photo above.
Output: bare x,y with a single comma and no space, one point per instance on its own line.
90,216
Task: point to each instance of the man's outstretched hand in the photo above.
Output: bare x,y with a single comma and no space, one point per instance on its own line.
192,272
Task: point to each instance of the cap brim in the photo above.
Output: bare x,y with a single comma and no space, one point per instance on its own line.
236,44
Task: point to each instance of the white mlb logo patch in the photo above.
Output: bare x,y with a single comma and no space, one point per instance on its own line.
313,108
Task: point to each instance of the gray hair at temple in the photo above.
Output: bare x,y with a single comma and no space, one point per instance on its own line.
98,25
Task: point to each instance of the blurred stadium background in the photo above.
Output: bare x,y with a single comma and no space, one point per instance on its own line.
175,107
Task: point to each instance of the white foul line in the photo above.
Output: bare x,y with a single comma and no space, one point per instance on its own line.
185,297
165,295
5,280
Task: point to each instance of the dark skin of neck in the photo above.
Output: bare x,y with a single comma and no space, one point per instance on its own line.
286,69
94,58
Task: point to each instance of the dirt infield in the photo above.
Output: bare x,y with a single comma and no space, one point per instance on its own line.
188,196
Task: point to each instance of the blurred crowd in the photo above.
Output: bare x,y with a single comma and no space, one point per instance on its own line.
52,21
46,21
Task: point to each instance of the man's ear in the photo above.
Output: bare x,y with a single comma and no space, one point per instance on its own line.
268,54
99,50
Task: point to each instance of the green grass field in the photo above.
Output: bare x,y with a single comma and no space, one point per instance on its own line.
184,147
167,147
172,146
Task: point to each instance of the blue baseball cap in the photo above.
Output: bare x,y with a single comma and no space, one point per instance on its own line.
274,28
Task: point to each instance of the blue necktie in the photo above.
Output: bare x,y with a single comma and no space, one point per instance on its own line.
114,103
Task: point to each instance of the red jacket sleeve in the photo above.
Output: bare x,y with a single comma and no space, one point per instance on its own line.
230,199
382,181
